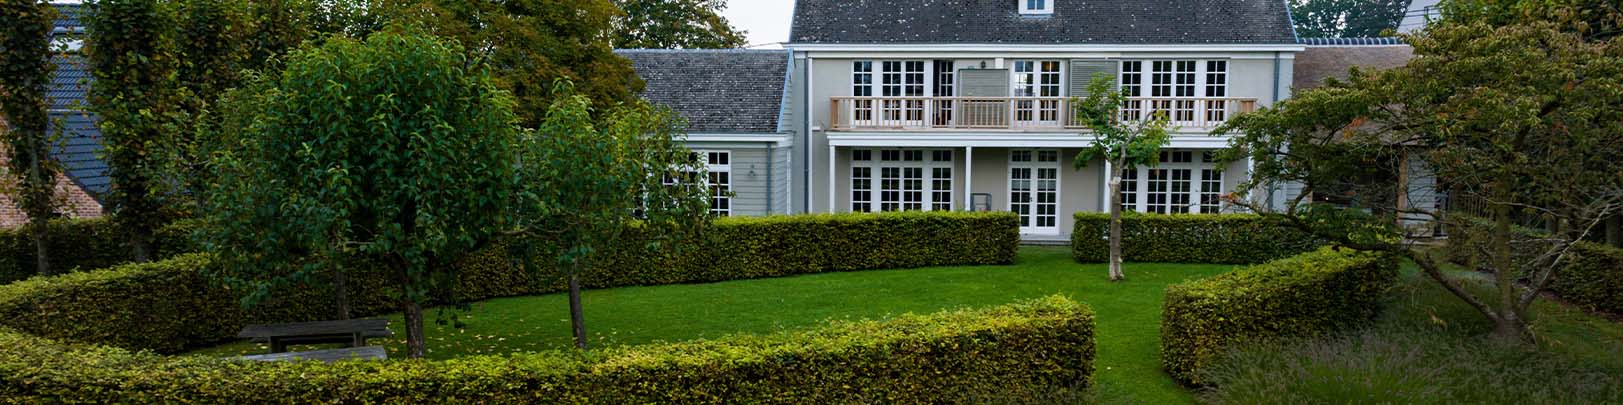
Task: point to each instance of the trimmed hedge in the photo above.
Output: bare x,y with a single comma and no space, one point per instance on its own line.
1305,295
172,306
1592,278
82,244
1019,352
1189,238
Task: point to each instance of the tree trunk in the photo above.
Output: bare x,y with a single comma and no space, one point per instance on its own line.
414,328
340,285
141,244
1115,225
1509,325
1614,231
41,234
577,316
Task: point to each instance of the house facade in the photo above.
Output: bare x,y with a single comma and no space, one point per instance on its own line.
964,104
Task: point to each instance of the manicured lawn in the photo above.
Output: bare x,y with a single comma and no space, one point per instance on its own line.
1128,313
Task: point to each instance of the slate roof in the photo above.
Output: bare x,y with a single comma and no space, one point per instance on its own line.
79,148
1130,22
717,91
1318,63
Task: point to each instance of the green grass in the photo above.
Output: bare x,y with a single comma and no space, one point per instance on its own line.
1128,314
1430,347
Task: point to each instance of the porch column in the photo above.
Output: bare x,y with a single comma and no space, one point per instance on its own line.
969,178
831,170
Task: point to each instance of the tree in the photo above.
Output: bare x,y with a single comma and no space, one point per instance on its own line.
1347,18
672,24
1124,144
25,73
212,36
133,60
394,151
588,180
1520,117
280,26
529,44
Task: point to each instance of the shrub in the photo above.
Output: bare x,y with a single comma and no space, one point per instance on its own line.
1189,238
174,305
1592,276
1305,295
82,244
1015,352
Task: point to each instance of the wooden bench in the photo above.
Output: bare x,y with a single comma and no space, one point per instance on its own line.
350,333
329,356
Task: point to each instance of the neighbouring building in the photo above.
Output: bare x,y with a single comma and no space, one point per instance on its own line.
84,178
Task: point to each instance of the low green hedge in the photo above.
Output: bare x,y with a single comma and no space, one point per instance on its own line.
1017,353
81,244
1189,238
173,305
1592,277
1308,294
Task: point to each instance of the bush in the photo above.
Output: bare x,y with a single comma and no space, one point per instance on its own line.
1305,295
174,305
1592,277
82,244
1015,352
1189,238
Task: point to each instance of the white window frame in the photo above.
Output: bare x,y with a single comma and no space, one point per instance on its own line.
1180,109
1035,164
929,164
1042,113
718,178
891,112
1037,7
1136,191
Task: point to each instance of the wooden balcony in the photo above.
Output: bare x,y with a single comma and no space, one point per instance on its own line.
1016,114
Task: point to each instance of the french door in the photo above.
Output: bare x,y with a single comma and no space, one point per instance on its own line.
1034,190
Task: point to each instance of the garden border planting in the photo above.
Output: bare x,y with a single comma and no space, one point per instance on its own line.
1305,295
1189,238
1025,351
1592,278
82,245
174,305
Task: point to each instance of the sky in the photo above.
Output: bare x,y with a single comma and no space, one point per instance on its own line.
767,21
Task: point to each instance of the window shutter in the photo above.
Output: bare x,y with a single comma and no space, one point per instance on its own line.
1083,70
984,82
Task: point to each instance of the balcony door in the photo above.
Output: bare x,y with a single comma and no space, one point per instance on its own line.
1037,93
1034,190
902,88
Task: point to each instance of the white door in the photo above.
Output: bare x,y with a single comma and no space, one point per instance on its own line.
1034,190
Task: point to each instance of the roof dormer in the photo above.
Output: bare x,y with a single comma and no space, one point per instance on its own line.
1036,7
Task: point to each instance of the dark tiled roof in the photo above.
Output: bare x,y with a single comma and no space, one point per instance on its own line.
718,91
1073,22
1318,63
1370,41
79,149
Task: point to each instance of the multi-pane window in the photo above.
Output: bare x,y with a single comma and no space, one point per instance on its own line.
1171,186
902,79
862,86
1037,79
1183,90
718,179
1034,189
946,78
1037,6
908,180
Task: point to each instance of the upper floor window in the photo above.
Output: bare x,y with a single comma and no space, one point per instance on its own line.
1037,6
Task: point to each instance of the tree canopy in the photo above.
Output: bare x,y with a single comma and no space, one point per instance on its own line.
25,73
672,24
1520,118
395,150
1346,18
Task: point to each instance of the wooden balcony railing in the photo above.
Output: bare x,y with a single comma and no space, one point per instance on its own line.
1016,113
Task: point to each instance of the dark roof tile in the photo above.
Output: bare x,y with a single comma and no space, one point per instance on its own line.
717,91
1073,22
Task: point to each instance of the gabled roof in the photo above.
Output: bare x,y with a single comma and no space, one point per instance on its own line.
1074,22
1318,63
717,91
80,146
